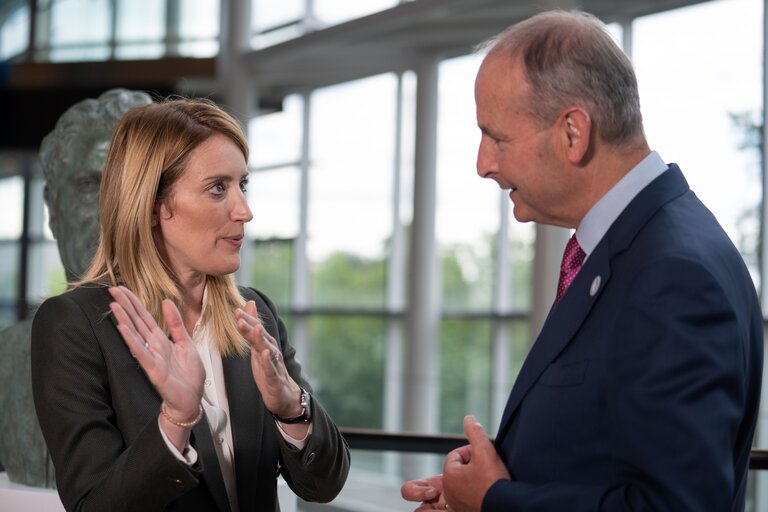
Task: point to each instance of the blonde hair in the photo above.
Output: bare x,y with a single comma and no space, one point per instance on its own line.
148,153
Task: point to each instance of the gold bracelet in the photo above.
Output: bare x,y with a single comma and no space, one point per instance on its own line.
182,424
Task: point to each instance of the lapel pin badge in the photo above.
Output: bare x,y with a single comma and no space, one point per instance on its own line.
595,286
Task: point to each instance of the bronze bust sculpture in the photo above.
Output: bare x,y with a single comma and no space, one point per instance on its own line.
72,157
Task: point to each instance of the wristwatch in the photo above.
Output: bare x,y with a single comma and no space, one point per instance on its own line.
305,400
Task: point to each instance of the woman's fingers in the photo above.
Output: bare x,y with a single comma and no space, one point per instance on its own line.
142,325
133,339
140,310
175,323
253,331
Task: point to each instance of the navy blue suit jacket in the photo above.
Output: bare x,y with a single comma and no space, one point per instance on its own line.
642,389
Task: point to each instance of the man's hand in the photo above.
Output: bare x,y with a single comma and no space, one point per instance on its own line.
470,471
428,491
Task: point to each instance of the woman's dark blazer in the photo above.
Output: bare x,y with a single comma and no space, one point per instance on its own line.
98,413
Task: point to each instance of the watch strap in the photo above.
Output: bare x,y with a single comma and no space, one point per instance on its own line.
305,400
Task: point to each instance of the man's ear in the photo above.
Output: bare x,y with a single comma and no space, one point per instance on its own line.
575,127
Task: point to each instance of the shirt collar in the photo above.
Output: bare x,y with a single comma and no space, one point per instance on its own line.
601,216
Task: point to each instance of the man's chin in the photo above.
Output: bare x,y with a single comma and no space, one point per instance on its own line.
522,214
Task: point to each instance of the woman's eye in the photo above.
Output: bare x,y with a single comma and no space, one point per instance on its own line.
244,185
218,188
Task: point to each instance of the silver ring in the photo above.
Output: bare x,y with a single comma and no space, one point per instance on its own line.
146,345
275,359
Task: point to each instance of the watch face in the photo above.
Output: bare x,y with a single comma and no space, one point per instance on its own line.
306,403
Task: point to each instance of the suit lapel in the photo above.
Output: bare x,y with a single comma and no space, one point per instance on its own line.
203,443
565,318
246,412
559,329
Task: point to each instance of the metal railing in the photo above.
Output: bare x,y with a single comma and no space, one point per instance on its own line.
376,440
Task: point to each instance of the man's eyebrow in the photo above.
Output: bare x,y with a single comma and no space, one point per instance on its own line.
487,131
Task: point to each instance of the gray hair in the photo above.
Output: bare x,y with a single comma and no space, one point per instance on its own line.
89,115
570,59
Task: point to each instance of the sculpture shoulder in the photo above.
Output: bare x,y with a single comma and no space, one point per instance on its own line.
17,331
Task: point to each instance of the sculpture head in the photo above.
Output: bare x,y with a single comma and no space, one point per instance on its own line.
72,157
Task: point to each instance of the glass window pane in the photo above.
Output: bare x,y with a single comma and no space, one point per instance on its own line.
140,20
80,21
470,379
702,105
465,373
338,11
271,264
12,201
266,14
140,51
199,19
351,191
617,33
520,262
351,393
275,138
46,273
14,33
274,199
468,208
200,49
9,270
79,54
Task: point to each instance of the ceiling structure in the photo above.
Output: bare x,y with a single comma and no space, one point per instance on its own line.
396,39
392,40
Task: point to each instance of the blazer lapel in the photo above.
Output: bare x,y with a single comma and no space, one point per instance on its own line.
246,413
565,318
203,443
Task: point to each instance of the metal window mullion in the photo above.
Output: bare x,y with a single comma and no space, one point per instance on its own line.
393,362
761,487
300,271
500,331
420,376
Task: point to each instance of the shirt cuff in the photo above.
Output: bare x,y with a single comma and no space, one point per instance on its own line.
188,456
298,443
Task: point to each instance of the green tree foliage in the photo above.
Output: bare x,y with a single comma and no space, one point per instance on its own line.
347,368
345,360
344,279
271,265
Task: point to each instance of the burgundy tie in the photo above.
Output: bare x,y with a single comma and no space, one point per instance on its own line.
573,257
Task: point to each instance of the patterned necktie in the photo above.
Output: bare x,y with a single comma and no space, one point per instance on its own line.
573,257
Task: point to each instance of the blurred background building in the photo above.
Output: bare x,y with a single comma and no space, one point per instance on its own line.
410,291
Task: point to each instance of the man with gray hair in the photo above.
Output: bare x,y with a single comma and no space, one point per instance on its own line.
642,389
72,157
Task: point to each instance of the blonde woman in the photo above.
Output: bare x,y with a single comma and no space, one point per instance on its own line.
158,383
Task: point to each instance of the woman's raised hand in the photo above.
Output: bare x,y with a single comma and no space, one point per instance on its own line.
172,365
279,391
